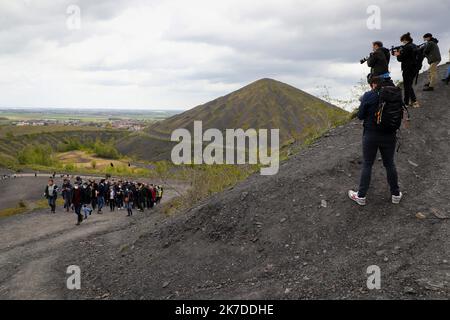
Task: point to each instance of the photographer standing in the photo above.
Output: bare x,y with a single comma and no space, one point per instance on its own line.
378,61
433,55
407,56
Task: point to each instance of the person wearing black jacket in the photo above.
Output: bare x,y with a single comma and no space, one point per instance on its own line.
407,57
378,61
94,192
86,194
77,201
66,193
101,194
375,139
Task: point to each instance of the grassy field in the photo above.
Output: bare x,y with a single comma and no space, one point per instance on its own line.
15,131
14,140
82,159
84,115
23,207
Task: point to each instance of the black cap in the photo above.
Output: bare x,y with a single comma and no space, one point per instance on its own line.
428,35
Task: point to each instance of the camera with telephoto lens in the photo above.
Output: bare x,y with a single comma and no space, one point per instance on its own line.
364,60
396,49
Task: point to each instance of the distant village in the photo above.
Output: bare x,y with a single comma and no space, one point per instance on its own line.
124,124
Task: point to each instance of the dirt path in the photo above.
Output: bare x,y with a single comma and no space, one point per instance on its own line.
31,243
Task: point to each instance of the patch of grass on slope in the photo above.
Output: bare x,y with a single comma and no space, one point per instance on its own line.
23,207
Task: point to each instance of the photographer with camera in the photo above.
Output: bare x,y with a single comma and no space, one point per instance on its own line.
378,61
433,55
407,55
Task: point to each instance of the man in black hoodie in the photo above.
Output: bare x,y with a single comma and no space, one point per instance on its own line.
433,55
67,194
378,61
407,56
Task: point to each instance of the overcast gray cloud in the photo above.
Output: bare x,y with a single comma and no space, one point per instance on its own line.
177,53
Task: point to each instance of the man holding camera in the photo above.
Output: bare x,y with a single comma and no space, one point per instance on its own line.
407,55
378,61
433,55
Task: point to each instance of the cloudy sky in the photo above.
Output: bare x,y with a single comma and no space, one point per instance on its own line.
176,54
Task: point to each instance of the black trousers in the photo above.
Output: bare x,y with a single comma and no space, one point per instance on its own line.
386,143
408,82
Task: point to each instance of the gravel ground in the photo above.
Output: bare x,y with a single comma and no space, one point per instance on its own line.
291,236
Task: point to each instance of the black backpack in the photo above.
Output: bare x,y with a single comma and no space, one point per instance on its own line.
390,111
419,57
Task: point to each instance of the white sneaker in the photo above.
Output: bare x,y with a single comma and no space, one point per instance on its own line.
354,196
397,199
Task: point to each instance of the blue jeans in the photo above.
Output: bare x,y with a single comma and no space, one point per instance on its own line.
77,208
52,203
100,203
386,143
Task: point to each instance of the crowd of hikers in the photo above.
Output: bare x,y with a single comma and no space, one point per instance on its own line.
384,108
86,197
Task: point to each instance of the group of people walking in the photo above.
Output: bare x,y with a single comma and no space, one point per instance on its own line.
85,197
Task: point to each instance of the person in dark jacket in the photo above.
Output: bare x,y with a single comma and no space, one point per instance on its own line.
66,193
433,55
378,61
407,56
128,201
101,194
77,201
86,194
51,193
373,140
94,193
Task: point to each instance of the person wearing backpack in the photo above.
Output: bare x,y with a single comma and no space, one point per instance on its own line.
433,55
408,58
379,135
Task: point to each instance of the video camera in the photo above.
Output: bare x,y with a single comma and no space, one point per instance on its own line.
396,49
400,48
364,60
